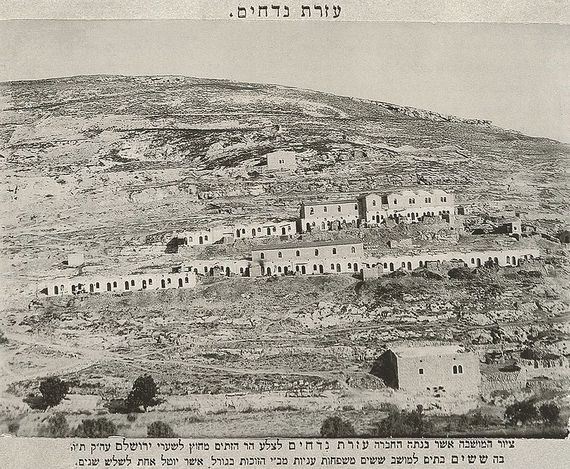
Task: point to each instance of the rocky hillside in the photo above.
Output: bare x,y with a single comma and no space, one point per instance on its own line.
103,162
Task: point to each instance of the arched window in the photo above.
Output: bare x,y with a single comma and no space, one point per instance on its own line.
459,369
403,265
353,250
454,369
56,290
314,266
350,265
262,255
114,284
316,252
332,266
297,253
373,203
334,251
280,254
385,265
339,208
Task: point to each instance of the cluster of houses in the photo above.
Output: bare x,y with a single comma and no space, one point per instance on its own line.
290,257
366,210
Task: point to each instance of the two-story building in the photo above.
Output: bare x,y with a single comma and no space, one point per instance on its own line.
321,215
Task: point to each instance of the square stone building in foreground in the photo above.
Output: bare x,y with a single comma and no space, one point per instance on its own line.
436,368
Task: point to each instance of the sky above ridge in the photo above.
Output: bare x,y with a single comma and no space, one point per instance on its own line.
516,75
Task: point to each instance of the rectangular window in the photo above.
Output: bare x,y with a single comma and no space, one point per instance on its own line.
421,371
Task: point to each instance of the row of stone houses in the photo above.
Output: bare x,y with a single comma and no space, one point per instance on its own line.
347,257
118,284
370,209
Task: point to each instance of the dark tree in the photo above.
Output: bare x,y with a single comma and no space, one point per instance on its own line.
160,429
96,428
550,413
335,427
143,393
53,391
521,412
57,426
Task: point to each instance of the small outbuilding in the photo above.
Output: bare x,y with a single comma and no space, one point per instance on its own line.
282,161
75,259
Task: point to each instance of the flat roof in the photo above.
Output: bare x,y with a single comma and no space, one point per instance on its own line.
308,244
427,351
329,202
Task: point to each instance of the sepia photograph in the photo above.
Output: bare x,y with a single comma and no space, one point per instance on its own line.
261,229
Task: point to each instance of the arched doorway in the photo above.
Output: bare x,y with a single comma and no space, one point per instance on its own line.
144,284
303,269
126,285
228,272
201,240
338,268
391,266
268,271
180,283
355,267
321,269
409,265
108,286
253,232
163,283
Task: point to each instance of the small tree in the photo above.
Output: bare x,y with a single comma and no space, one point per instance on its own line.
143,393
550,413
95,428
53,391
57,426
160,429
335,427
521,412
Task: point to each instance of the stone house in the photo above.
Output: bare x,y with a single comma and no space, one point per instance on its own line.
440,369
308,258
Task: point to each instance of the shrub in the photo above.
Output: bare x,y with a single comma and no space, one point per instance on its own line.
143,393
13,428
95,428
461,273
57,426
335,427
402,424
131,417
118,406
160,429
521,412
550,413
53,391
